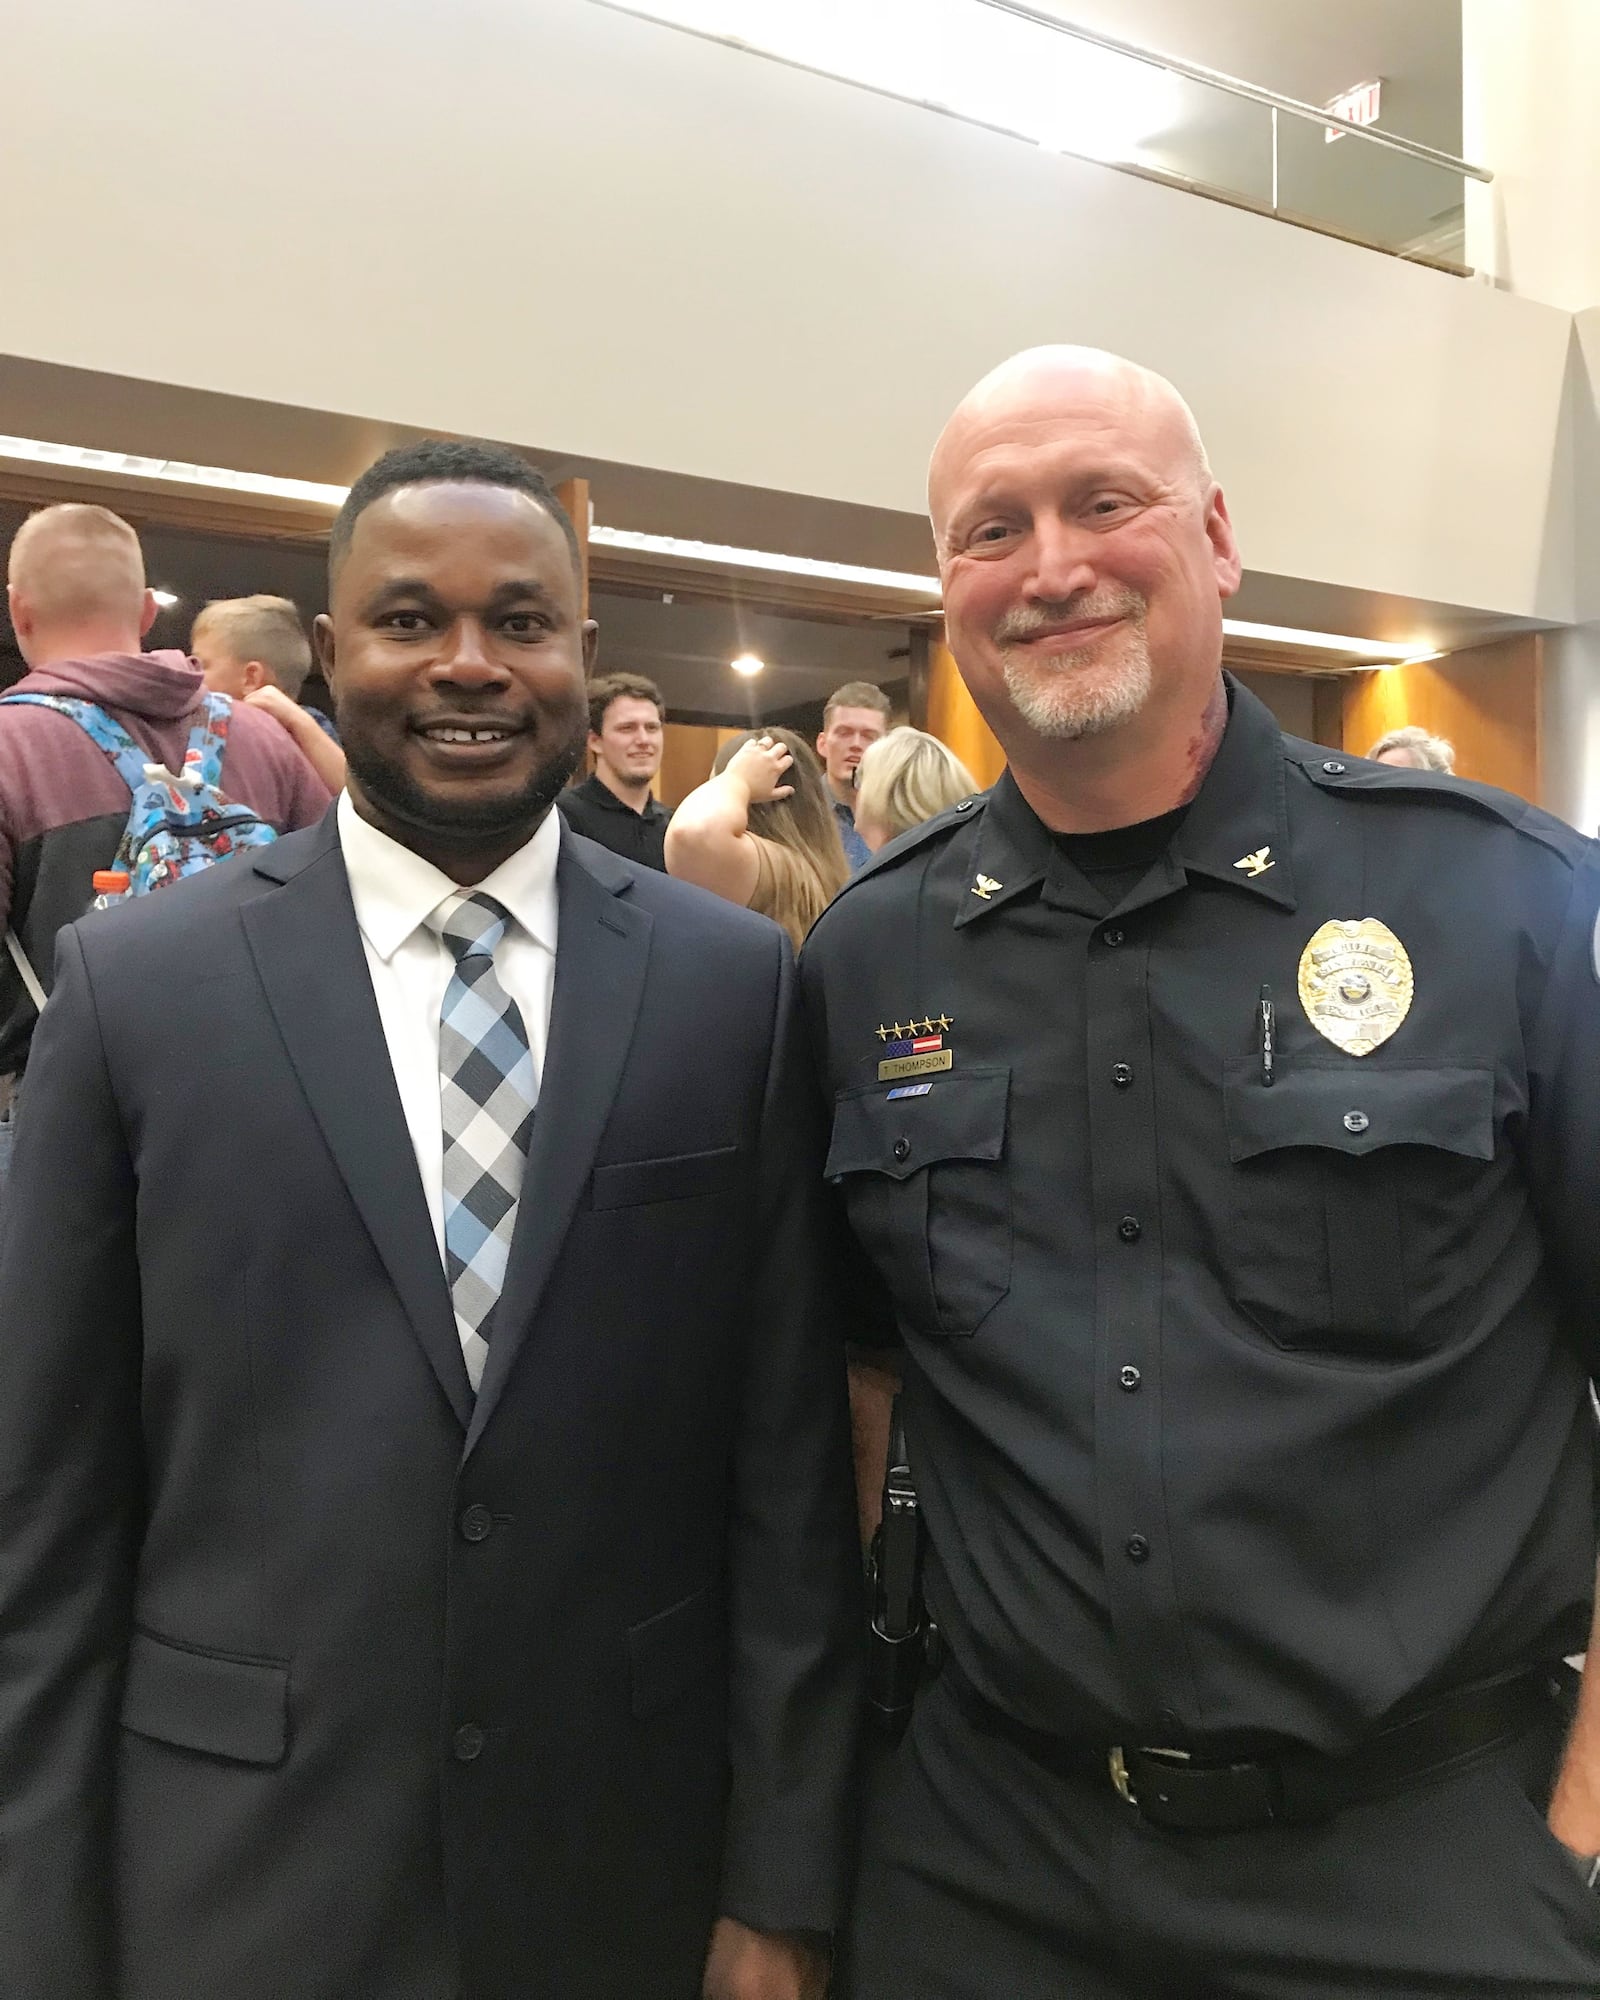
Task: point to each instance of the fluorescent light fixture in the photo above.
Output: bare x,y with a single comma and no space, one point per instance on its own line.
749,665
165,598
722,555
1326,642
993,68
123,465
714,555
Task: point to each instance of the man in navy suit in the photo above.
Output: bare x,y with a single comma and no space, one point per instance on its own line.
426,1555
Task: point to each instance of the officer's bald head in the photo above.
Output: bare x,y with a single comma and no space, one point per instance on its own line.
1082,385
75,581
1084,552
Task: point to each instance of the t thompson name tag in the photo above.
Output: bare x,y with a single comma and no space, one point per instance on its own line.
898,1066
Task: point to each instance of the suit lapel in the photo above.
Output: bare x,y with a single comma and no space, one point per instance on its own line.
308,955
602,949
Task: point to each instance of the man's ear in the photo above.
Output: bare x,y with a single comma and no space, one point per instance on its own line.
255,676
592,744
820,751
322,639
1224,549
591,646
149,612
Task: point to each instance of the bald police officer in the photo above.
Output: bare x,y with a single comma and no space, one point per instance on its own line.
1223,1118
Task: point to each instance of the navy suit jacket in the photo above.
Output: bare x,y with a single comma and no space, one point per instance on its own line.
319,1678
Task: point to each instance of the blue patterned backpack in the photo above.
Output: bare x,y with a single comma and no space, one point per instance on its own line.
179,822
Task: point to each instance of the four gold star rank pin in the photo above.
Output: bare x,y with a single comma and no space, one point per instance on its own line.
1355,983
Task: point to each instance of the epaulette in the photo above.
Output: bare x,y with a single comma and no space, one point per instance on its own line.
1357,777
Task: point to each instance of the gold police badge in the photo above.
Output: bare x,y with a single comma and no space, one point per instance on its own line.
1355,983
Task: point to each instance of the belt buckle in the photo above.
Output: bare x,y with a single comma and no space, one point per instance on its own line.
1117,1764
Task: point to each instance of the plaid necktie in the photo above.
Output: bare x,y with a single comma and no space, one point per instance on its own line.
486,1095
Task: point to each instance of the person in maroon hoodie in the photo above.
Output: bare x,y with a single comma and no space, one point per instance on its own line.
80,608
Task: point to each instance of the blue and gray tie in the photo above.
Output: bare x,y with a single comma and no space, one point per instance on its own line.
487,1093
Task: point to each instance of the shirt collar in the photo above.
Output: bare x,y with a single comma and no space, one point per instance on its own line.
845,814
394,889
598,792
1236,830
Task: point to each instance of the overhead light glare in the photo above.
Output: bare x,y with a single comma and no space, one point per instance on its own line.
165,598
173,471
1373,650
987,66
748,665
723,556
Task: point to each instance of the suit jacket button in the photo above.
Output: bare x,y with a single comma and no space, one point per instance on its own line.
467,1742
477,1524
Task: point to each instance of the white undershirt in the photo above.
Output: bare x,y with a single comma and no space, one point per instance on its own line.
394,890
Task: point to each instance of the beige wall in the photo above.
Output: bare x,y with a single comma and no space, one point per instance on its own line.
549,222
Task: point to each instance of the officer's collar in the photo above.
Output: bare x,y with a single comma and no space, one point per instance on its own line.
1236,831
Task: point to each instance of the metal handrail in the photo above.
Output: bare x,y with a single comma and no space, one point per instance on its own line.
1237,87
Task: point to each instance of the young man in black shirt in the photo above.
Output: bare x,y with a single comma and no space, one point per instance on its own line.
627,723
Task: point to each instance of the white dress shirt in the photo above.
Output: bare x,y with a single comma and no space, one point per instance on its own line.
394,891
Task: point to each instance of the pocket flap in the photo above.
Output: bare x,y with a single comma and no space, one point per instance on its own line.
1349,1108
206,1701
671,1651
631,1183
963,1117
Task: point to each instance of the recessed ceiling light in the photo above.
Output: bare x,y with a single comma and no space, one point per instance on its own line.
165,598
748,665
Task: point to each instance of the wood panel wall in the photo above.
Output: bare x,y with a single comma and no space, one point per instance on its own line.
1485,700
953,716
686,757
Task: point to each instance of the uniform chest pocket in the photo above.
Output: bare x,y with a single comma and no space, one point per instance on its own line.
925,1183
1349,1187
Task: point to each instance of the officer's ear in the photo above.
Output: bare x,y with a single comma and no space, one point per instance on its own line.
1224,549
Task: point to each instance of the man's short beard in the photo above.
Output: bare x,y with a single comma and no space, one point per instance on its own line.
465,821
1087,690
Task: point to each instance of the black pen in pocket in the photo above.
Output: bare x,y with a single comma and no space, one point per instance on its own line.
1267,1020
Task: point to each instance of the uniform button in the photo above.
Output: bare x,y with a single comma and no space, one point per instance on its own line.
1334,768
477,1524
902,1149
1112,938
1121,1075
1138,1549
1129,1230
467,1742
1129,1378
1356,1121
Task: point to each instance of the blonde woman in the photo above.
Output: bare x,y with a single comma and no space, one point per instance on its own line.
761,831
905,778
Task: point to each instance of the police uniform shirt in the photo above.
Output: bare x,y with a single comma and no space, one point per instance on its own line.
1240,1412
595,811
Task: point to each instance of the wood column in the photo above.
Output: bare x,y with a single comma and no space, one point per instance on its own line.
1485,700
953,715
574,496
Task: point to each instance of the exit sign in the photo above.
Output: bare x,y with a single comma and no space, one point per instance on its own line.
1356,107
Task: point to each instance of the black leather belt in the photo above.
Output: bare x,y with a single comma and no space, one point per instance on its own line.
1173,1789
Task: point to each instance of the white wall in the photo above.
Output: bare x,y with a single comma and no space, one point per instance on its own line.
541,220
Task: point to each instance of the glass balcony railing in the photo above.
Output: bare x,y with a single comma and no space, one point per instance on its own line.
1023,70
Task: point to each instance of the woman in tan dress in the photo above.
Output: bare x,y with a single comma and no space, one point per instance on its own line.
761,831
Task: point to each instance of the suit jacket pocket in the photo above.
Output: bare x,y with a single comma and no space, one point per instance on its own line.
222,1705
631,1183
667,1654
